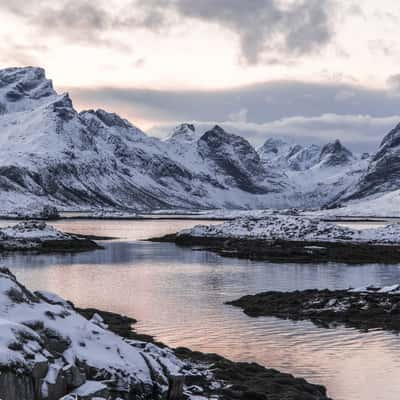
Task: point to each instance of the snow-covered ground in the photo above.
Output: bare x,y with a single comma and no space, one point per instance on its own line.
35,235
294,228
383,205
32,230
392,289
44,340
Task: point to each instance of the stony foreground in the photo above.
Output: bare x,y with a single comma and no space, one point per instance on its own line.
364,308
50,350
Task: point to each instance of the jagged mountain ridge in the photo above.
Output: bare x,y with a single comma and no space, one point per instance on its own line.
50,153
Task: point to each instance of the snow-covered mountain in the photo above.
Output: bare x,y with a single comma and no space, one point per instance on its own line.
52,154
383,173
283,153
377,192
313,175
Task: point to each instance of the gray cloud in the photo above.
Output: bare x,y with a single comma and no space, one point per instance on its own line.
81,21
303,27
84,21
263,102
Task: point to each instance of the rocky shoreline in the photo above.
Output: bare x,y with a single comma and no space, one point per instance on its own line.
363,309
282,251
240,380
51,350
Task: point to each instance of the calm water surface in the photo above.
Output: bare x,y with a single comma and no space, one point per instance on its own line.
178,295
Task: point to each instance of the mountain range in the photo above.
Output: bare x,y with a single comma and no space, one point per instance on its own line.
52,154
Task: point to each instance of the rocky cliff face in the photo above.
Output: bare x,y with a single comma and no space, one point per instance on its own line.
234,158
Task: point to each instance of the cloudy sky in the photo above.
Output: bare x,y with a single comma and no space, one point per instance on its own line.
310,69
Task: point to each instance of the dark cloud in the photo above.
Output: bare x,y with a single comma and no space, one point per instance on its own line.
84,21
303,27
357,115
263,102
74,20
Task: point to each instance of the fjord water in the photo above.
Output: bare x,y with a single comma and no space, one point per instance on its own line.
178,295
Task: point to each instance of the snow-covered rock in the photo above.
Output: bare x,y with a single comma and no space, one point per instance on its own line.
49,351
37,235
293,228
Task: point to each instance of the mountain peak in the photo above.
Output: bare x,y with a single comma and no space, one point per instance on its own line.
391,140
282,153
22,89
334,153
183,133
218,130
109,119
274,146
31,82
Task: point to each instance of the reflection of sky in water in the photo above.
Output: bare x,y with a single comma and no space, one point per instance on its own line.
179,294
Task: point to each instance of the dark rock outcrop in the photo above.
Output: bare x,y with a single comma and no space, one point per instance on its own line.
234,158
284,251
363,310
334,154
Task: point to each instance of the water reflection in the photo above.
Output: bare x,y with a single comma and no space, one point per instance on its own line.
179,295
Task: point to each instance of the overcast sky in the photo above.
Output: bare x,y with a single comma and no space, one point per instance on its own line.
310,69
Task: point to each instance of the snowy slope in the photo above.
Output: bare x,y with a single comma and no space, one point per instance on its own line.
381,205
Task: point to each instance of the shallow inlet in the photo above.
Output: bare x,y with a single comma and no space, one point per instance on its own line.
178,295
